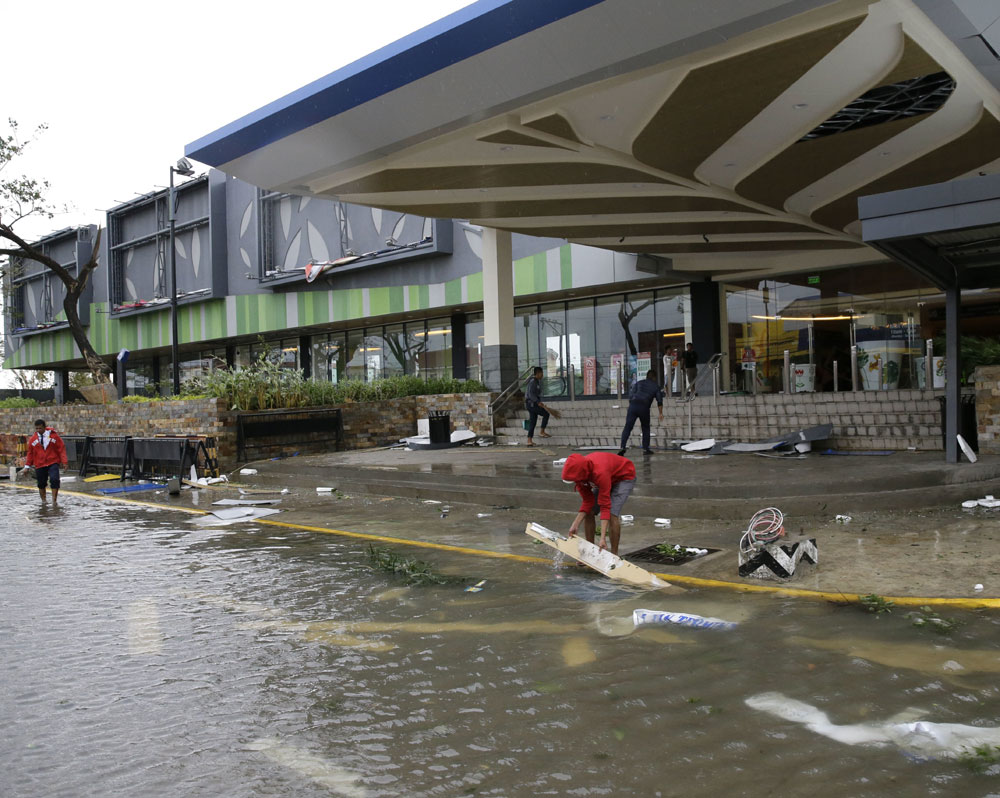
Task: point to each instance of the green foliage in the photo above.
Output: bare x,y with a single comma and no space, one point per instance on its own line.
268,386
16,402
973,351
413,571
671,550
20,196
926,618
980,758
876,604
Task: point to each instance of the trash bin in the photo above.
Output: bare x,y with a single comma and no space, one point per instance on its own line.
967,426
439,426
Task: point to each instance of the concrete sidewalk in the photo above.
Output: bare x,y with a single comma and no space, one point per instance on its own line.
908,535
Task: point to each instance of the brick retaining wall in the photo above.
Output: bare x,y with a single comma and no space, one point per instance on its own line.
897,419
366,424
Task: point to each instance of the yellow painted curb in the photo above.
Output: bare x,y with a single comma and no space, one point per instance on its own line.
678,579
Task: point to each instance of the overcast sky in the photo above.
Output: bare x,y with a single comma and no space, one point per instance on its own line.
124,86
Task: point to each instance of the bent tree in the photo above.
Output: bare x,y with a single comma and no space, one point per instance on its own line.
20,198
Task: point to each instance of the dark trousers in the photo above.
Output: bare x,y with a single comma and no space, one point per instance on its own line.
533,414
643,417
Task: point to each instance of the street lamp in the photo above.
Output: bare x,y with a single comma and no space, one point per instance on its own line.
183,167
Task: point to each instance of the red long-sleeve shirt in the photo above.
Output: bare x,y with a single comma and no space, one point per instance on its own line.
600,470
42,452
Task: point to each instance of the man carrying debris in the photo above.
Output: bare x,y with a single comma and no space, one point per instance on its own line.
533,404
640,400
604,481
46,452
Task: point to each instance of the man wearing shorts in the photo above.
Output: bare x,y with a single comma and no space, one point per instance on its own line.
604,481
46,452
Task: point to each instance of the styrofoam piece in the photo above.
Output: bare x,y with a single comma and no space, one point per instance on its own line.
646,617
484,515
661,521
245,502
966,449
803,446
234,515
969,504
628,518
324,490
248,472
561,461
431,501
248,513
990,502
978,587
699,446
843,519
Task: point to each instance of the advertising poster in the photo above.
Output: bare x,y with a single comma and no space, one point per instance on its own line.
589,376
643,364
617,361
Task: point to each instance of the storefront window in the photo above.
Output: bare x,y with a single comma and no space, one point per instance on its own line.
610,344
374,354
555,355
140,380
355,355
673,322
434,356
474,331
328,357
400,349
581,347
526,333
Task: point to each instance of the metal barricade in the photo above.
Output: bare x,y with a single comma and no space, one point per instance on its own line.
165,456
108,455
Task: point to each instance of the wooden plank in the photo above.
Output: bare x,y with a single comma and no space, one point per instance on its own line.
601,560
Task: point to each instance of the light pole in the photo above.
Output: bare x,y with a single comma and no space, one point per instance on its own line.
183,167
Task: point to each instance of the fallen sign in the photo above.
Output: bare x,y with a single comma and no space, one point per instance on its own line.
602,560
458,438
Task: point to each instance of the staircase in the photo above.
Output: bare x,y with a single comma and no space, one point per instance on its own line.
862,420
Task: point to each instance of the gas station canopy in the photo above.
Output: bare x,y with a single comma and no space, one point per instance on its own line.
733,139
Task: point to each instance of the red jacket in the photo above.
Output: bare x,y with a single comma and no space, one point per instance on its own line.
598,470
43,453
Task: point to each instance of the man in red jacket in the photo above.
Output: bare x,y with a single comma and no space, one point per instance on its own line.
604,481
46,452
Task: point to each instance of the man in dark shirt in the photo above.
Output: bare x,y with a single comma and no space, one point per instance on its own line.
640,400
689,358
533,404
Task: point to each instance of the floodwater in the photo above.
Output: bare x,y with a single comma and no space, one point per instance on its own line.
145,655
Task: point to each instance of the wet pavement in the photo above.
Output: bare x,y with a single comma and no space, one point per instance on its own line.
886,525
149,652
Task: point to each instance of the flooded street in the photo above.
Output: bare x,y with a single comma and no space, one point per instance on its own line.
144,654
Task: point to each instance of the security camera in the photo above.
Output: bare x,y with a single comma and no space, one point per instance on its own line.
184,167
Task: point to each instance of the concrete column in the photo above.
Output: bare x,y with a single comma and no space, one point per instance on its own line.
459,357
706,317
499,343
952,372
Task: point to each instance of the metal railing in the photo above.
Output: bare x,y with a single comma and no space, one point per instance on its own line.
506,395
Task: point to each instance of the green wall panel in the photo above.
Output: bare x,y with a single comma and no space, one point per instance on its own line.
566,266
453,292
474,287
314,307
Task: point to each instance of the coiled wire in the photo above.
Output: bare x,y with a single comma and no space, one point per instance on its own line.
766,526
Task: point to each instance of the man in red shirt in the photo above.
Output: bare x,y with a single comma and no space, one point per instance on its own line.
604,481
46,452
